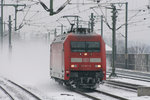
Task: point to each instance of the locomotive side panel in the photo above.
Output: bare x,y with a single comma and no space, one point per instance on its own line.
103,58
57,61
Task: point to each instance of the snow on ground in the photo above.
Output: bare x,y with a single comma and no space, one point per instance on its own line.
29,66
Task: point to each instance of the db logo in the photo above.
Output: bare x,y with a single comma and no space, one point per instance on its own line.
85,60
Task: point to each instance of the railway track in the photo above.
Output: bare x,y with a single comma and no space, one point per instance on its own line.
5,91
132,75
86,95
133,72
111,96
16,92
30,93
145,79
123,84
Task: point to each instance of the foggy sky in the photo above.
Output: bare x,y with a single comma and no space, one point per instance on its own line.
37,20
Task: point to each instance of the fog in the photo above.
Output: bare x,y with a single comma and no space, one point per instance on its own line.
28,62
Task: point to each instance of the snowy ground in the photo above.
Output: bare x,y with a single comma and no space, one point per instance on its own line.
125,93
29,66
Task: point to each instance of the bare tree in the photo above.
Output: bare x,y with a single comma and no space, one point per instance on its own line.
138,48
120,46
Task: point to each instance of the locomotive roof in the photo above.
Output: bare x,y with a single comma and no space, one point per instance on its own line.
62,38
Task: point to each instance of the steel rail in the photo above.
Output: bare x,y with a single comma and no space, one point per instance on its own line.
101,92
7,93
30,93
132,73
123,84
111,95
133,77
86,95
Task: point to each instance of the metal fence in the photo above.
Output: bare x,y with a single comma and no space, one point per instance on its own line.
140,62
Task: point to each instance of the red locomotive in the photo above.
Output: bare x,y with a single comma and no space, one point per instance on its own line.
78,59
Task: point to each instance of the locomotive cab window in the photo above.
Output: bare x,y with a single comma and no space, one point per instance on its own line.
85,46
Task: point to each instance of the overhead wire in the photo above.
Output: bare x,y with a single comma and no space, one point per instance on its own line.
27,6
87,10
21,24
123,24
82,11
106,21
34,15
47,16
65,10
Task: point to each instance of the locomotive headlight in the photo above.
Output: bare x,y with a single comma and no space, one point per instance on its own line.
67,71
72,66
85,54
99,66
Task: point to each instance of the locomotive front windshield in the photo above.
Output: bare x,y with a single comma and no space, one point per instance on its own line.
85,46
